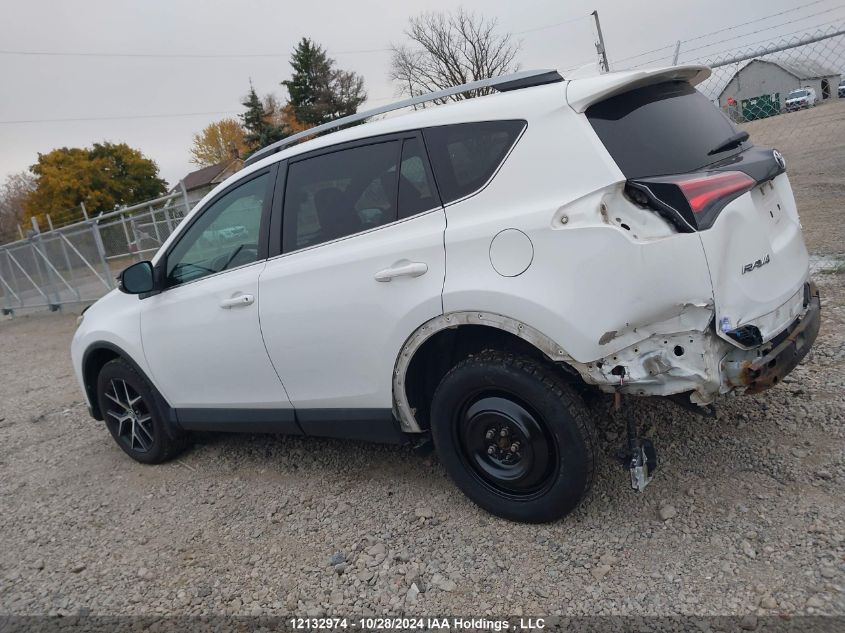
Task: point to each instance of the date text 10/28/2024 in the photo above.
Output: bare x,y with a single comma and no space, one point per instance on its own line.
410,624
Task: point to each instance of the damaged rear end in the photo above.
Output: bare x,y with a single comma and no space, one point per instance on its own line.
687,164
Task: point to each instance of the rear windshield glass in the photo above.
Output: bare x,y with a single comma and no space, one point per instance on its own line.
464,156
667,128
797,93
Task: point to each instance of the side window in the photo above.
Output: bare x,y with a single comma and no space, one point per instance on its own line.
464,156
416,191
225,236
339,194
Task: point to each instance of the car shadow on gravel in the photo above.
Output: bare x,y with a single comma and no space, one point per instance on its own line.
693,451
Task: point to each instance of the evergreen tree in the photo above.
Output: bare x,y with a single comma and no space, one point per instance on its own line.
318,91
258,123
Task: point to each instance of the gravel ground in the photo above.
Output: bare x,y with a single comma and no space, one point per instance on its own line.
746,515
813,143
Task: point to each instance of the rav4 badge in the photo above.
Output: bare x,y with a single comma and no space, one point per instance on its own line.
750,267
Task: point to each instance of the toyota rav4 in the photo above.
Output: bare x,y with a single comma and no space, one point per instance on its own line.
465,273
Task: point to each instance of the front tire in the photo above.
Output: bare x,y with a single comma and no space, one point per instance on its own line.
132,414
514,437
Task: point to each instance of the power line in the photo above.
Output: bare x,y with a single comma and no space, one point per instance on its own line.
141,116
782,35
366,50
731,28
116,118
768,17
556,24
39,53
828,26
768,28
144,55
653,50
578,65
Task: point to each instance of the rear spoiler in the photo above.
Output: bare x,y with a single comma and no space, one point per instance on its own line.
582,93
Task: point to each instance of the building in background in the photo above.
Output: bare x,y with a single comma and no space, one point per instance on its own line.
759,88
200,182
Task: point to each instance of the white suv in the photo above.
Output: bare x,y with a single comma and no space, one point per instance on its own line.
465,273
801,98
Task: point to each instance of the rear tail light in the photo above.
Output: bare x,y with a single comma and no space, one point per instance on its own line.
691,201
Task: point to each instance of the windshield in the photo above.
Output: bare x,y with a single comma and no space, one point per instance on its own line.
797,93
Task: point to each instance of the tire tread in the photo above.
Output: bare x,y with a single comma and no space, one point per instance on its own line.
548,376
175,442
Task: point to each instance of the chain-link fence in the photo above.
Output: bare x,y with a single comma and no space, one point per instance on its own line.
788,94
778,78
76,261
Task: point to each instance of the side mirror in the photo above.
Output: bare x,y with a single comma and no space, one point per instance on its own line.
137,279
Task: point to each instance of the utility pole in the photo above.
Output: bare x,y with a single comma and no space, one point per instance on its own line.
677,52
603,63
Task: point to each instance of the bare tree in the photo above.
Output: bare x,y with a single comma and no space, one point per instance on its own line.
12,194
449,50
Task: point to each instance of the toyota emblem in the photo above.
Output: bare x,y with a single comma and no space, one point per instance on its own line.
779,158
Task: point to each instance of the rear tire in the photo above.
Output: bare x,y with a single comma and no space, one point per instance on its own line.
514,437
133,416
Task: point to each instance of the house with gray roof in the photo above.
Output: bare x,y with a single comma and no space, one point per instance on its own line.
200,182
768,81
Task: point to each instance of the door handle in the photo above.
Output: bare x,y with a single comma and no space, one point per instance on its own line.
237,301
402,268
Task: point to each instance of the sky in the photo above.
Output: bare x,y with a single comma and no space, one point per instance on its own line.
125,97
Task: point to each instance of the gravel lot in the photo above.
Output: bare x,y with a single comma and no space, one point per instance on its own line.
813,143
745,517
747,514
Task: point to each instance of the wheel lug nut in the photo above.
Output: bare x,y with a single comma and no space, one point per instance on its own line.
490,434
514,447
504,432
491,449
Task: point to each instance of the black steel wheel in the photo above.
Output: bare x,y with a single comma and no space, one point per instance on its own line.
130,409
513,436
506,444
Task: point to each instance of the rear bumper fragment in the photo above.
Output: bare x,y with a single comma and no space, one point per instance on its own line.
763,367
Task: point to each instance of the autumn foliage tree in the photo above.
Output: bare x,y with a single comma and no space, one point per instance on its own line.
13,192
103,177
219,141
282,115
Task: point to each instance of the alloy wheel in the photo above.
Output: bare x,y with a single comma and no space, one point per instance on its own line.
130,417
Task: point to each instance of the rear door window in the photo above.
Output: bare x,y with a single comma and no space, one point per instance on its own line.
416,189
465,156
667,128
333,195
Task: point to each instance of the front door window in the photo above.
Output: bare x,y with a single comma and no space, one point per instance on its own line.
224,237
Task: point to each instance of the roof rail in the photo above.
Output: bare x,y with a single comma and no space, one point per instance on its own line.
503,83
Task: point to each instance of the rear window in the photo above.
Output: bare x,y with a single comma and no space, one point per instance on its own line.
797,93
464,156
667,128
